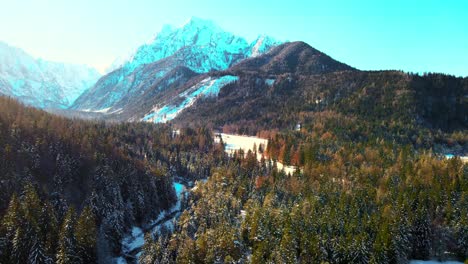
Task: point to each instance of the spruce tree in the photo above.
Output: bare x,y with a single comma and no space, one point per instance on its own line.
37,254
67,251
10,223
85,234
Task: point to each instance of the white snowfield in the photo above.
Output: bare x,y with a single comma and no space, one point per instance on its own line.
464,159
246,143
206,88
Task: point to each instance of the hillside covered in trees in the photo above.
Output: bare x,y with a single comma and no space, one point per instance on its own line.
372,183
71,189
373,202
296,84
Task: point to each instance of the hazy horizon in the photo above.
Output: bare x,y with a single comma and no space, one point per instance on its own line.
421,36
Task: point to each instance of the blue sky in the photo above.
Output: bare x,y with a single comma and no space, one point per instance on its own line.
411,35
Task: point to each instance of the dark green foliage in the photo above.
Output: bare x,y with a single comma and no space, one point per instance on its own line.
67,247
374,202
423,111
115,175
86,236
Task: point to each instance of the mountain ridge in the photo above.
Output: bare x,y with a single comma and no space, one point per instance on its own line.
42,83
199,45
267,64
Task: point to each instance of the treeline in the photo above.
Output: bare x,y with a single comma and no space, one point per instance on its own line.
423,110
123,174
333,129
374,202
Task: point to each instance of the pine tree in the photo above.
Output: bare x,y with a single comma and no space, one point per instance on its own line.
10,223
150,250
288,246
20,247
37,254
421,235
67,251
85,234
49,229
400,240
3,248
33,243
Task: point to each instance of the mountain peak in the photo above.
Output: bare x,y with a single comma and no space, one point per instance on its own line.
292,57
196,22
196,36
262,44
200,45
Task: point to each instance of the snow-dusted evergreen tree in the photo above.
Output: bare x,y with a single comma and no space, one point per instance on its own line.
86,234
37,254
422,236
67,251
49,229
150,251
288,246
360,250
400,236
10,223
462,234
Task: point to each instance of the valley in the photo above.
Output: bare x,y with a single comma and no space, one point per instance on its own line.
204,146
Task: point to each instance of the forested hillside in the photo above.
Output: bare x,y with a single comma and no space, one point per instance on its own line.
374,202
372,181
296,84
71,189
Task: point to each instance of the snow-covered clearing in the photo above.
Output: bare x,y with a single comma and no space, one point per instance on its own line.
462,158
246,143
237,142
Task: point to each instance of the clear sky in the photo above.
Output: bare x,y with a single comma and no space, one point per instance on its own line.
411,35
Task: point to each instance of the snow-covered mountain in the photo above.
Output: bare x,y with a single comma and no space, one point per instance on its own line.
250,84
200,46
41,83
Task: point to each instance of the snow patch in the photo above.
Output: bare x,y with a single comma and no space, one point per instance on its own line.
120,260
206,88
134,241
464,159
256,47
179,188
270,82
102,111
246,143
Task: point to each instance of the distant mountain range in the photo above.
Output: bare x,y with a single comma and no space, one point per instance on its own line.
42,83
174,56
198,73
285,60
